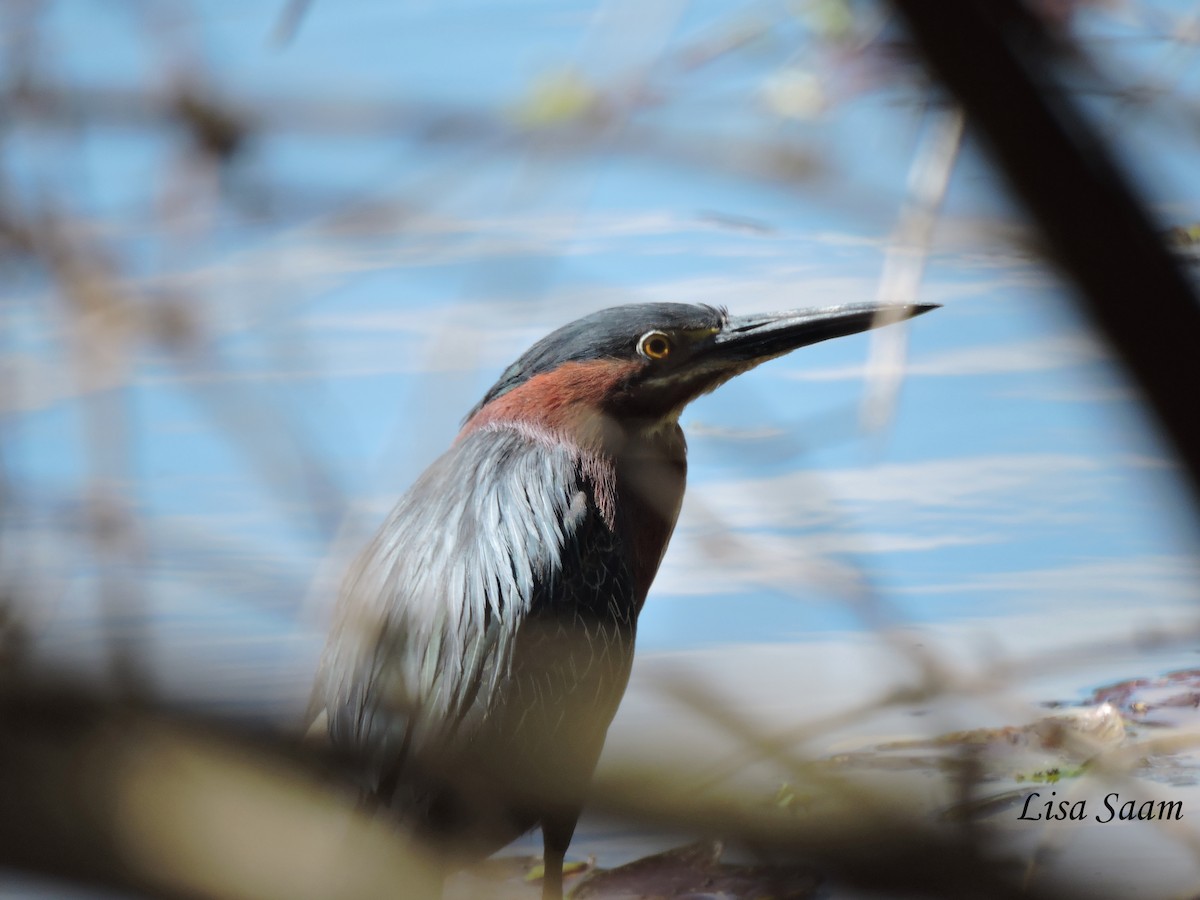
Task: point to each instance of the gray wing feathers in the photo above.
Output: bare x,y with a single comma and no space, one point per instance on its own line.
441,590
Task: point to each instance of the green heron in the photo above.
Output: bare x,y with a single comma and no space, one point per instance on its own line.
483,639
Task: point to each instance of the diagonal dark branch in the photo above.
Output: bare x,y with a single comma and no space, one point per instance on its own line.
1004,67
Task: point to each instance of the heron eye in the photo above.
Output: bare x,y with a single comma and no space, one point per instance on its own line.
655,345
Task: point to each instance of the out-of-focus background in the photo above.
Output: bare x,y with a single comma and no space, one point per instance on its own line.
258,259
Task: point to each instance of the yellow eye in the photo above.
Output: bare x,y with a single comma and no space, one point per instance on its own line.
654,345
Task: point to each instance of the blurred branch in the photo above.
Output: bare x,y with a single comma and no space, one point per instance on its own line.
290,18
224,127
1003,66
907,254
128,798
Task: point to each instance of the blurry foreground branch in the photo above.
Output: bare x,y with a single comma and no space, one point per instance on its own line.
126,798
122,797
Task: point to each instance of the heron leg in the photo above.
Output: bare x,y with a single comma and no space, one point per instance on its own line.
556,837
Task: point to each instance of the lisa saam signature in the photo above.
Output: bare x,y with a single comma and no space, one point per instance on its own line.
1115,809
